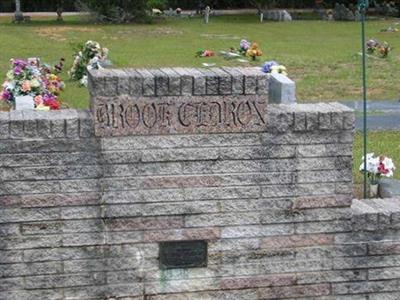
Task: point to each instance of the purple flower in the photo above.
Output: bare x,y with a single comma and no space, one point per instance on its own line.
268,65
19,63
49,97
17,70
6,95
244,45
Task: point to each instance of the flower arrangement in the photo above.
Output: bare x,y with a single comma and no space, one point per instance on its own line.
89,56
205,53
272,66
378,167
381,49
254,51
244,46
29,78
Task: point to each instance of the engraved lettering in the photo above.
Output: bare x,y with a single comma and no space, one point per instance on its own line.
216,113
203,114
149,115
230,113
244,113
182,114
258,111
179,115
121,115
164,114
114,119
132,116
103,116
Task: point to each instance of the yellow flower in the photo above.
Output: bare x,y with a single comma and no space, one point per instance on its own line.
35,83
42,107
279,69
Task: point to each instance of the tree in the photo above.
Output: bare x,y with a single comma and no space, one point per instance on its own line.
115,11
261,5
60,10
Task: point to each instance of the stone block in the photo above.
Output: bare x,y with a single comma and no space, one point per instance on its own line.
281,89
161,82
174,81
149,82
237,80
4,125
16,124
186,78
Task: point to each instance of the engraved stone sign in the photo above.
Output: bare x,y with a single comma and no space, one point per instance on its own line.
125,115
185,254
178,101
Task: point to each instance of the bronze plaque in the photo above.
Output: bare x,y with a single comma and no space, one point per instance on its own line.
177,115
181,255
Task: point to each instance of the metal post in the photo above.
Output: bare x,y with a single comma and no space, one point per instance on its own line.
363,5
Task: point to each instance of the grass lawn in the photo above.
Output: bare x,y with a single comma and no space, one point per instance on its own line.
381,143
321,56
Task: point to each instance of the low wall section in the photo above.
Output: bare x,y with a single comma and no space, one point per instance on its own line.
89,200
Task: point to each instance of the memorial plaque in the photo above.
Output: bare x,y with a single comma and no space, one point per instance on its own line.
125,115
181,255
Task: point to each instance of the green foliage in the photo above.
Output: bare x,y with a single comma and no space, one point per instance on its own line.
159,4
115,11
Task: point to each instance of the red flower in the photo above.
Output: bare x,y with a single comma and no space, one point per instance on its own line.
382,169
53,104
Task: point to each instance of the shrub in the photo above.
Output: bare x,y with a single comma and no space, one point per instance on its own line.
158,4
115,11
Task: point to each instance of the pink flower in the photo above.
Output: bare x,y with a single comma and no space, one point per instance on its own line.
38,100
26,86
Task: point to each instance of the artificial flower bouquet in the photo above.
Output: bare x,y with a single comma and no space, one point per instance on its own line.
377,167
30,78
249,49
89,56
254,51
205,53
271,67
375,47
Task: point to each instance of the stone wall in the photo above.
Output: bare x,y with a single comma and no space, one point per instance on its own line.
83,213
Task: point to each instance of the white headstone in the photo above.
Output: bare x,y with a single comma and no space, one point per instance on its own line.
207,14
286,17
24,103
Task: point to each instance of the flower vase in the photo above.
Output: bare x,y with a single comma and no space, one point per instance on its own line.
373,190
24,103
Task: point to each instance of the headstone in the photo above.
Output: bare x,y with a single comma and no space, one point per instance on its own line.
389,188
286,16
207,14
342,13
281,89
18,15
24,103
277,15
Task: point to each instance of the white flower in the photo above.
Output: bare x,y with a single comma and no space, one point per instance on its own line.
389,163
84,81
